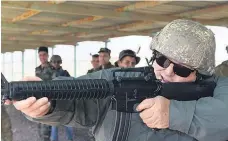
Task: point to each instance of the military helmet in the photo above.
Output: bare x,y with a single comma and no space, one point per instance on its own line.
187,42
56,58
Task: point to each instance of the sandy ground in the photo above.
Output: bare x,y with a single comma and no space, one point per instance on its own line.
25,130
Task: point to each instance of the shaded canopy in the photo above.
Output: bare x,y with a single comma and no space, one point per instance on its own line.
28,25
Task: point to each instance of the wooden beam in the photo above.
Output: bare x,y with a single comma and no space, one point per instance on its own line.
10,49
140,5
66,29
128,25
20,43
83,10
27,37
137,5
82,21
187,14
32,42
25,15
206,10
38,32
56,1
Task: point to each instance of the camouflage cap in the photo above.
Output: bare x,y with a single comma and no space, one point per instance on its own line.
187,42
56,58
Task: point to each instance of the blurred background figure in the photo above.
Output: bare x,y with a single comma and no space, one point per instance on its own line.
127,59
222,69
56,62
95,63
45,72
104,59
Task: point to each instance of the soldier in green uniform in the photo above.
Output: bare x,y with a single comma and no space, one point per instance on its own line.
95,63
56,62
127,59
222,69
44,71
104,59
6,132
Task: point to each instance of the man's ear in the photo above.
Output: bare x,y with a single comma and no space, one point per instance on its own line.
119,63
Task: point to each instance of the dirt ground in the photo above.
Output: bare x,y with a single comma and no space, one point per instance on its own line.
25,130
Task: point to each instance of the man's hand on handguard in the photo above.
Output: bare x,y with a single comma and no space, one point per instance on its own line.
31,106
155,112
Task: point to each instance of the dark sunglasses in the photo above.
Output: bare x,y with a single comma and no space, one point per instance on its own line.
178,69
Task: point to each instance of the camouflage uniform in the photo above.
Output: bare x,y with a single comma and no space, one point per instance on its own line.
92,70
6,132
45,73
106,66
222,69
205,119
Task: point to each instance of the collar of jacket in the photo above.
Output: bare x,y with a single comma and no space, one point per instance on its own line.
107,66
48,64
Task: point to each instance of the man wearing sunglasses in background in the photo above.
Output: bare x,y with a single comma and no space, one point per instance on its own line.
184,51
56,62
127,59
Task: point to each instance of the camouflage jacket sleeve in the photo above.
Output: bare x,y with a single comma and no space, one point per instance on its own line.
205,119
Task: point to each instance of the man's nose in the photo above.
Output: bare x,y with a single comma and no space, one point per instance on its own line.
169,70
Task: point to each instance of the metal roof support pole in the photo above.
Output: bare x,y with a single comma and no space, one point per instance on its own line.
53,50
12,64
75,61
3,61
106,43
36,56
23,62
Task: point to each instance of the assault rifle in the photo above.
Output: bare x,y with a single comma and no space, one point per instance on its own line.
124,91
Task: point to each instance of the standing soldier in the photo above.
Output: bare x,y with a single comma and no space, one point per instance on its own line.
127,59
56,62
104,59
44,71
95,63
222,69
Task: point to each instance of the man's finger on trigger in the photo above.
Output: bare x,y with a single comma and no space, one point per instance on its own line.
145,104
23,104
39,103
46,108
39,111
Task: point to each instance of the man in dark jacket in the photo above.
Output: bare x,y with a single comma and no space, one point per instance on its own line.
104,57
56,62
95,63
184,52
